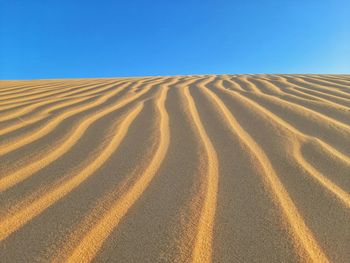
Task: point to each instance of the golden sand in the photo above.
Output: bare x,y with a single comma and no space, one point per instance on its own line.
212,168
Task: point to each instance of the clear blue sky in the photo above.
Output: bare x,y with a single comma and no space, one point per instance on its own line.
76,38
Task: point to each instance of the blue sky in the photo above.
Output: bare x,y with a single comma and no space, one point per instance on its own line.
75,39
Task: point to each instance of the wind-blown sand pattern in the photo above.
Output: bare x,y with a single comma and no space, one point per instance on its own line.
212,168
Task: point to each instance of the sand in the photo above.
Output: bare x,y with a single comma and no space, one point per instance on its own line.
210,168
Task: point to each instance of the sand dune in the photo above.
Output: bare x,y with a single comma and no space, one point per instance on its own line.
212,168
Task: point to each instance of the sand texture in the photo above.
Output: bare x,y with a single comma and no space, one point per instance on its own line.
209,168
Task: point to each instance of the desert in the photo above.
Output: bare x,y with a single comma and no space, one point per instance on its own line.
199,168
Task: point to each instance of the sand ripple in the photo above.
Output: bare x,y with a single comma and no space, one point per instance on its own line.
213,168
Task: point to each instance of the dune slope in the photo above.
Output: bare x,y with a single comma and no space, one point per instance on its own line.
212,168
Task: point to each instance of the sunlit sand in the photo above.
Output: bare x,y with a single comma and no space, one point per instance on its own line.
210,168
